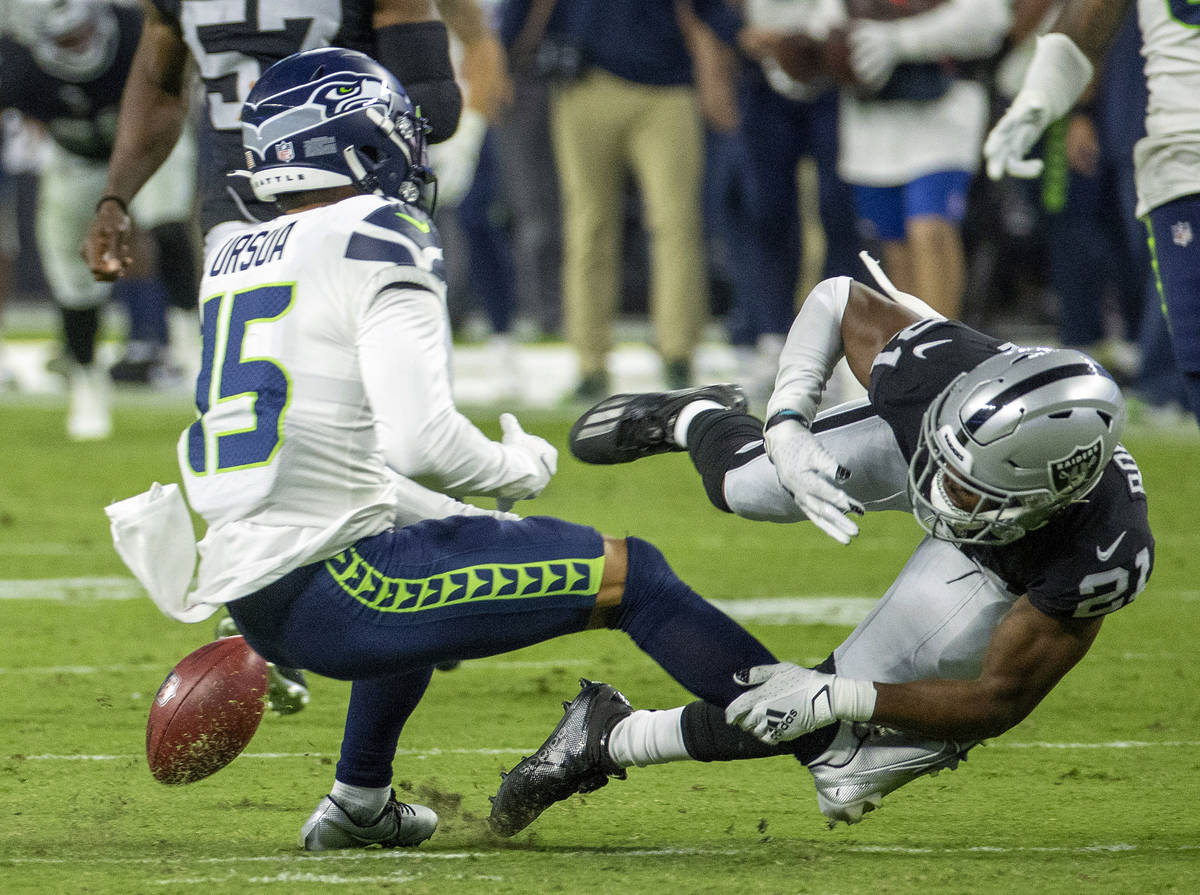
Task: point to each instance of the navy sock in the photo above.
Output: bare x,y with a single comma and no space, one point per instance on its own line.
707,737
717,443
378,709
1191,385
144,300
692,640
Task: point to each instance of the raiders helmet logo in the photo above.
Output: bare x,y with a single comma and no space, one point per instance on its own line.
1077,469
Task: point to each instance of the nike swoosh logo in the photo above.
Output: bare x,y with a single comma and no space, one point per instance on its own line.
1106,555
920,350
421,225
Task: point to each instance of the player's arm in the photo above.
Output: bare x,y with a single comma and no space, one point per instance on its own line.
151,118
1028,654
1060,71
840,317
403,357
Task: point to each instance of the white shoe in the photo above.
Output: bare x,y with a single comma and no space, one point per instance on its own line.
398,825
89,416
865,762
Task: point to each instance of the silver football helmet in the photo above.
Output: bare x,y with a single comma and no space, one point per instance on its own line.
1008,444
75,40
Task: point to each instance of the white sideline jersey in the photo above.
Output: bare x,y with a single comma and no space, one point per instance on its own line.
1167,159
326,361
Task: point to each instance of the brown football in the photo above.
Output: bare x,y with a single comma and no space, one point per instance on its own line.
835,51
206,711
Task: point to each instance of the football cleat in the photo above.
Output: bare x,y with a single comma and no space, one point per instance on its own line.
399,825
89,411
287,688
573,759
866,762
625,427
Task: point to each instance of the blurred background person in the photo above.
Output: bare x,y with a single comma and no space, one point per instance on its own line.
64,65
623,102
911,124
525,155
1100,266
1166,160
782,121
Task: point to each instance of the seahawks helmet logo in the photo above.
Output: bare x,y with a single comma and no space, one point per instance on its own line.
1074,471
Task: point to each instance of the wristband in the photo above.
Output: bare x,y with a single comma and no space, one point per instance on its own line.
111,198
780,416
852,700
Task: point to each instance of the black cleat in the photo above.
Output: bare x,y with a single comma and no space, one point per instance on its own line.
625,427
574,759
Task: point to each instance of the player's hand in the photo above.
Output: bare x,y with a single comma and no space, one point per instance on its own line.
1013,137
809,473
108,247
542,454
786,702
874,53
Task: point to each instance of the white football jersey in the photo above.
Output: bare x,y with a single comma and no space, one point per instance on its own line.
1167,159
326,361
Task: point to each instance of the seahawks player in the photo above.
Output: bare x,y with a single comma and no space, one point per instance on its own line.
231,45
1166,161
324,399
63,63
1009,459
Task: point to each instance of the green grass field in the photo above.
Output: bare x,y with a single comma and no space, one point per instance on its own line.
1096,792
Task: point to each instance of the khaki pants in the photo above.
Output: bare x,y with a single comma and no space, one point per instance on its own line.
603,126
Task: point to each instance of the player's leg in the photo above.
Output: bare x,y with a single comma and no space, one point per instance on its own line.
587,124
725,444
934,209
666,149
468,587
65,187
1174,229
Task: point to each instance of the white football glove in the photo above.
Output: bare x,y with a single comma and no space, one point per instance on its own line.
809,472
1014,135
874,53
542,452
786,702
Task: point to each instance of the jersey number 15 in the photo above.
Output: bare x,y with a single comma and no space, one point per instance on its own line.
227,375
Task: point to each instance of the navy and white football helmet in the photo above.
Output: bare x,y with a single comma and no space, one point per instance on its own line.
1008,444
333,117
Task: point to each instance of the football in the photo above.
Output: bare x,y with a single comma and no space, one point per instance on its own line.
206,711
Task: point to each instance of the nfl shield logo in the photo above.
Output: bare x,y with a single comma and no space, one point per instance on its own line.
1181,234
1076,469
285,151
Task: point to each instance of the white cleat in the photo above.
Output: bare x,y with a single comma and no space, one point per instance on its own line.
89,416
398,825
865,762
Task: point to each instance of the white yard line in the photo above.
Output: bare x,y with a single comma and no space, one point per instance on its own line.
1118,745
407,856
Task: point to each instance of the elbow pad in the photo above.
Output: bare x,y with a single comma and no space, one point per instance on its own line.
418,54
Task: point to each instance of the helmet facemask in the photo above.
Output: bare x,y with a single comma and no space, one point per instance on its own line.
1008,444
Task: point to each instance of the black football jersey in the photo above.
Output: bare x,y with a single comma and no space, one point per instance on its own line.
80,116
233,43
1092,557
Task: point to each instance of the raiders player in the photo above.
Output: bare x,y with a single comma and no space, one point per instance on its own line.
324,397
63,64
1166,161
1009,459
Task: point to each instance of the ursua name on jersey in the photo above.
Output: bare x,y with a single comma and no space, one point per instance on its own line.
302,319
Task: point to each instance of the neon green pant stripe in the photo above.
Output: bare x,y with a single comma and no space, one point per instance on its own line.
471,584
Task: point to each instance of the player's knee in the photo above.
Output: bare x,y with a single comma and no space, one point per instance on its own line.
719,441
